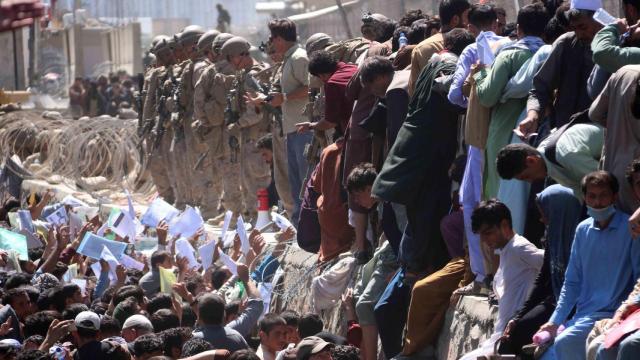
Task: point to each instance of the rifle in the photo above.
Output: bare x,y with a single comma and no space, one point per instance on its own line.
163,113
312,150
178,114
231,116
139,98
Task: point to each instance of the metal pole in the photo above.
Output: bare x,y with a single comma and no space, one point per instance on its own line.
345,19
15,60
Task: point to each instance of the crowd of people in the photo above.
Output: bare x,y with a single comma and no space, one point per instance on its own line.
448,156
112,95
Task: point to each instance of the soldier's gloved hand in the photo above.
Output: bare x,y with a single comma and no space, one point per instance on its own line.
234,129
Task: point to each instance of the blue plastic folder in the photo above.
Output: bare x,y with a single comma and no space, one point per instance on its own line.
92,245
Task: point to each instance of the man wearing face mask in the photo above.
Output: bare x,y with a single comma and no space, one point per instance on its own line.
603,265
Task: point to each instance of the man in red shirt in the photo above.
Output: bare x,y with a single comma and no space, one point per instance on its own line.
335,76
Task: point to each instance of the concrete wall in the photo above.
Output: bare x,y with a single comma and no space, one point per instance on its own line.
14,59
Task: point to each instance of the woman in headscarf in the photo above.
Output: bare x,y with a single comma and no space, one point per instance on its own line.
561,212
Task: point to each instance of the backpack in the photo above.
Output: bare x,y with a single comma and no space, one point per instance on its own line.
552,140
349,50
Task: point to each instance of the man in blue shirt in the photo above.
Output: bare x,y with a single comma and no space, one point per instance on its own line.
603,265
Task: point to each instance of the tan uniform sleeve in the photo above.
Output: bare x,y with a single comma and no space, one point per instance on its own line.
149,108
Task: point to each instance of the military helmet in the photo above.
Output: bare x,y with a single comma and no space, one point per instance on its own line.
206,40
190,34
219,41
163,45
155,41
235,46
317,42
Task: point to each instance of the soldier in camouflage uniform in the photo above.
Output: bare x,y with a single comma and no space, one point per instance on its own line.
209,105
245,123
184,156
155,130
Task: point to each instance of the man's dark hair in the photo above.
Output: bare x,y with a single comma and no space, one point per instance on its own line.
108,294
283,28
412,16
418,31
500,11
345,352
38,323
490,213
128,291
374,67
61,294
188,316
457,39
576,14
17,280
270,321
511,159
483,16
532,19
211,309
158,257
87,333
309,325
110,325
32,355
71,311
99,307
265,142
290,317
45,300
322,62
244,354
450,8
193,282
232,308
32,292
195,346
59,269
553,30
11,295
174,338
360,177
218,278
164,319
159,301
633,168
600,178
148,344
36,339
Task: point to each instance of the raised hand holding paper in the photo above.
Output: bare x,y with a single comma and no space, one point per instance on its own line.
131,263
59,217
187,224
159,210
229,263
242,233
92,245
281,221
206,253
225,226
26,222
185,250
